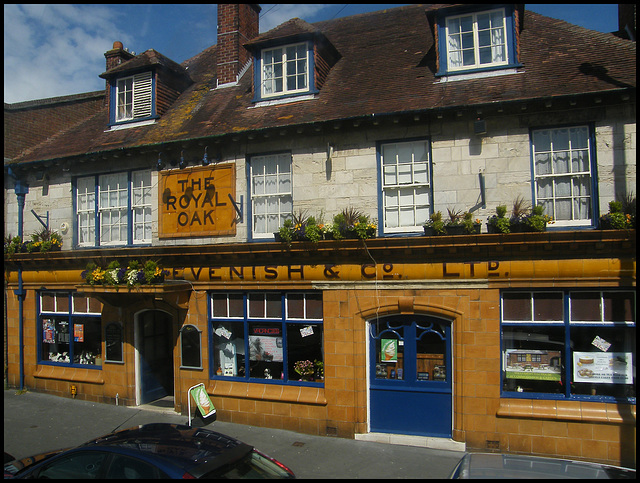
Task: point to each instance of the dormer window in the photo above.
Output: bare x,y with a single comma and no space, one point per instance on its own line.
291,63
476,40
285,70
134,97
472,39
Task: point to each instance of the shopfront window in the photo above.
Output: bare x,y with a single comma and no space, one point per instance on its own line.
69,329
267,335
569,344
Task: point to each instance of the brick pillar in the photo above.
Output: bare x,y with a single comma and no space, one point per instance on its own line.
237,24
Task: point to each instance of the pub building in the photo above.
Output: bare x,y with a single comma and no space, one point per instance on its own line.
187,201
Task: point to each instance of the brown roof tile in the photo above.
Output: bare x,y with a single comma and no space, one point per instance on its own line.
387,65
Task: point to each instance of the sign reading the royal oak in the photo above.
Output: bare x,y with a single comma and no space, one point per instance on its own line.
197,202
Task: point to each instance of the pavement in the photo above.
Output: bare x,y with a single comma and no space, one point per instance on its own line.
36,422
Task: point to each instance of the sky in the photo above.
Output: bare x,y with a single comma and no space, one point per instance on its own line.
55,50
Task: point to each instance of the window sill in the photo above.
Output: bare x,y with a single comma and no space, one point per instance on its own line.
130,124
269,392
264,102
481,74
74,374
585,411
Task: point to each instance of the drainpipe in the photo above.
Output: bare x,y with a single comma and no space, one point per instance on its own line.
21,189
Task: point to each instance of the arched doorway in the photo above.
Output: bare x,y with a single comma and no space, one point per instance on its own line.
410,376
154,343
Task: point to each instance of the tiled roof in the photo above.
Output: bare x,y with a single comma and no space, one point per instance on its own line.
387,65
149,58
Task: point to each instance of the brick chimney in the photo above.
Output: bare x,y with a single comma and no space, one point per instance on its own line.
116,56
237,25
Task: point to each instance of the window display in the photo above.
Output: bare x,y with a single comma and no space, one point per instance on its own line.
66,336
569,343
269,343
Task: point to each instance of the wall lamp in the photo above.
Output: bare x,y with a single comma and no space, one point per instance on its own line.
160,163
183,162
205,159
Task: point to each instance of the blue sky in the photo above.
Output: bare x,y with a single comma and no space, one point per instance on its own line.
55,50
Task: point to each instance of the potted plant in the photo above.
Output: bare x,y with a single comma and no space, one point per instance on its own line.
314,230
351,223
14,245
499,223
319,366
470,225
616,219
536,220
454,226
44,240
285,233
435,225
305,369
519,211
136,273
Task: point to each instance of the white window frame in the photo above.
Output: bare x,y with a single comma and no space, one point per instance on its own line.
270,207
113,200
406,186
576,153
122,200
86,211
141,206
475,35
286,68
134,97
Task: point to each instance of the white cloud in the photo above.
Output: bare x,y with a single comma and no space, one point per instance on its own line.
55,50
273,15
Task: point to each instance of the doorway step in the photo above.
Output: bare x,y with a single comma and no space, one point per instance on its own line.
411,440
162,405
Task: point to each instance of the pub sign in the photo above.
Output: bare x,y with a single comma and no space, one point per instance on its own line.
197,201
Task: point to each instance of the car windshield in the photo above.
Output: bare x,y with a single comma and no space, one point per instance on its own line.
253,465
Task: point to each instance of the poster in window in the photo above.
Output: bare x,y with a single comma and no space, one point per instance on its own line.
539,365
389,350
265,348
78,332
48,331
603,368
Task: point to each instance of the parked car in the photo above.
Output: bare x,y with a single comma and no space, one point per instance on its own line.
497,466
153,451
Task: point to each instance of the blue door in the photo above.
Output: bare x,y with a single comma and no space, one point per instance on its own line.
410,374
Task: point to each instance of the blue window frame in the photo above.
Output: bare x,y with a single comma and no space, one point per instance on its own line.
113,209
69,330
569,344
473,38
273,337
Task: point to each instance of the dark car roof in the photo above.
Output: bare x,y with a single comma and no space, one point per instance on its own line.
196,450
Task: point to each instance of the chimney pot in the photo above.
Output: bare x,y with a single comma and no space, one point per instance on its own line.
117,45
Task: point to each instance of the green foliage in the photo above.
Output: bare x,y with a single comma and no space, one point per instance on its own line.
617,219
436,223
537,220
500,221
136,273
